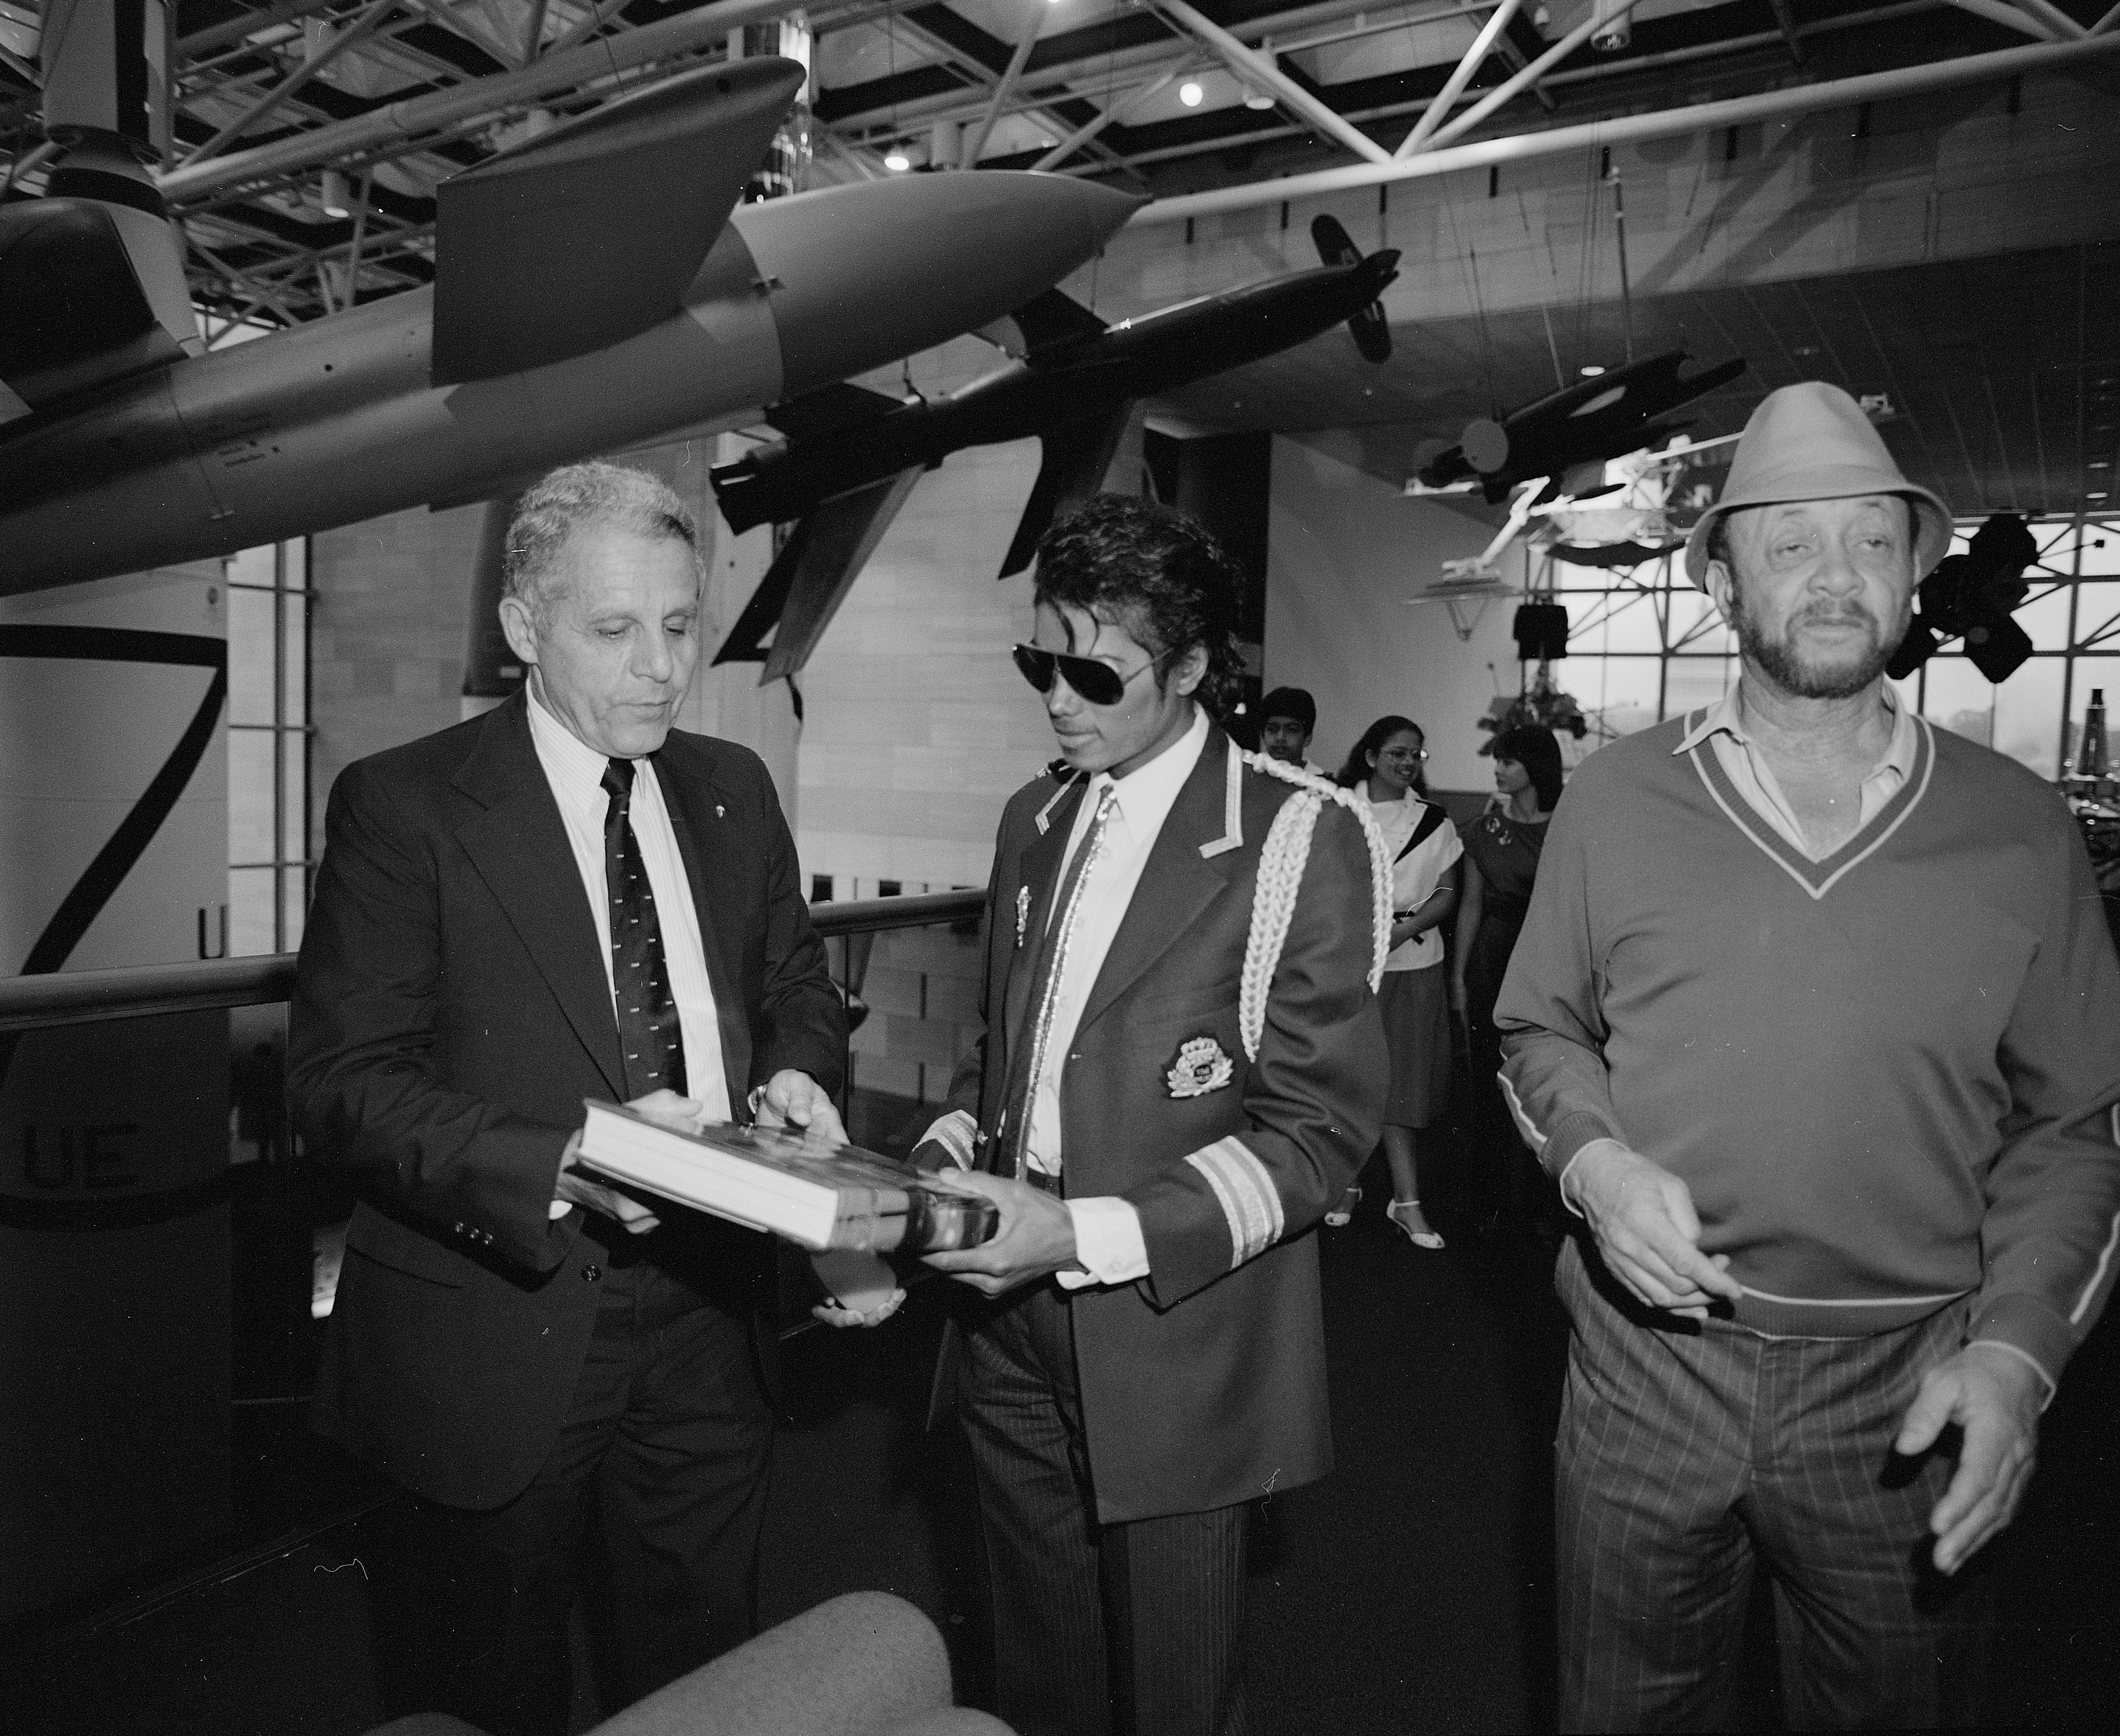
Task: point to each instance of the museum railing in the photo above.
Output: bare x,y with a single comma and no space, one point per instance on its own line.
161,1237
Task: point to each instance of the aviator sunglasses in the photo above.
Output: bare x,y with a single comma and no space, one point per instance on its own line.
1099,683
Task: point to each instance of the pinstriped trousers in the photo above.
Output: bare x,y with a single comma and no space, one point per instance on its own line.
1122,1630
1687,1456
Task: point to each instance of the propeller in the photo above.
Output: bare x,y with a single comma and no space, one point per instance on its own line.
1335,246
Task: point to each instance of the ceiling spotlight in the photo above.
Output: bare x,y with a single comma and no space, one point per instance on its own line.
1591,370
1189,93
1257,100
897,162
335,200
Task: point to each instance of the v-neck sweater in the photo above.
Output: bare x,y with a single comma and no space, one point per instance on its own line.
1887,1077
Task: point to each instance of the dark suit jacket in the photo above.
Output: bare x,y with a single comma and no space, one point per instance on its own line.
451,1015
1203,1384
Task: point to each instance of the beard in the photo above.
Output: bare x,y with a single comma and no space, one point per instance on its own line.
1841,677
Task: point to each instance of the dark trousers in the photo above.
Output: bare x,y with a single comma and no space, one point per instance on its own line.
1688,1458
650,1502
1121,1629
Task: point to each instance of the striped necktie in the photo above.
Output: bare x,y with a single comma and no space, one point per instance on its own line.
1028,1058
648,1033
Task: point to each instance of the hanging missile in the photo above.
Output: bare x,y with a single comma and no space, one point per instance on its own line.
850,457
1592,421
579,306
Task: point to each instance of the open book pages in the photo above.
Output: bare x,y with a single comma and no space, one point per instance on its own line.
814,1193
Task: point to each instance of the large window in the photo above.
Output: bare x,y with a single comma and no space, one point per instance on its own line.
1644,645
268,747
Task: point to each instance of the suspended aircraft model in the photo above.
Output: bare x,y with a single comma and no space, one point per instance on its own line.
848,457
1592,421
595,287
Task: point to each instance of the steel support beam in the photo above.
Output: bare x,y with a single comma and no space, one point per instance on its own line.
358,31
2001,12
1507,89
1255,67
2004,63
2111,21
2064,28
395,122
1116,111
1453,87
1026,39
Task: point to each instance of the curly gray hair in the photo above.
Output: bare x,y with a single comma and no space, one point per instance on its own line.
575,496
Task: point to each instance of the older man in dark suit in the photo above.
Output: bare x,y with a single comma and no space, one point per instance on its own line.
563,898
1182,1069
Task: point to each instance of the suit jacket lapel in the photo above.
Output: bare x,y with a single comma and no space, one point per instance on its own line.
1038,870
518,845
1177,883
708,843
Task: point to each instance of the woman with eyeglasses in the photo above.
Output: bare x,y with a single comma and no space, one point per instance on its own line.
1385,770
1501,863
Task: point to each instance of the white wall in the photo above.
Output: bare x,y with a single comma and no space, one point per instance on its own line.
1345,551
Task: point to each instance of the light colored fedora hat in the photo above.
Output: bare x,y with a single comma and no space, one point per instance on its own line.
1812,442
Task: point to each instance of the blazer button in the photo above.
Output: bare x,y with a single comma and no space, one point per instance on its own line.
592,1272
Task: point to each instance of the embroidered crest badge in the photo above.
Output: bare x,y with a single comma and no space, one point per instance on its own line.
1202,1065
1022,912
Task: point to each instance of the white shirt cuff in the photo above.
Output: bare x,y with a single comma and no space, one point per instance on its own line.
1108,1242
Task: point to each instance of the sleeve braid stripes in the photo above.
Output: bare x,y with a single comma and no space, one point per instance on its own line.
955,1132
1282,861
1246,1194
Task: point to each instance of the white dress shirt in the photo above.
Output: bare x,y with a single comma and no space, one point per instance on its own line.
1723,729
1108,1238
575,772
1415,875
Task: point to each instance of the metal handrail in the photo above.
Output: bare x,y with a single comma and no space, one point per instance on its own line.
140,991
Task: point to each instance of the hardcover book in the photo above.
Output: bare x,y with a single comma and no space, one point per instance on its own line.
818,1196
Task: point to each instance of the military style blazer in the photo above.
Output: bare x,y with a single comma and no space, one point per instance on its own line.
452,1013
1203,1384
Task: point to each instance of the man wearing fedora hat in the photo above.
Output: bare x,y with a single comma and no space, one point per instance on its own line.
1814,1022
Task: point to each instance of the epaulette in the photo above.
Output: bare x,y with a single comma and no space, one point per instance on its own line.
1066,777
1282,858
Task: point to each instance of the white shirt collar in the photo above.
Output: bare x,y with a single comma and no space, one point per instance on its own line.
564,755
1146,793
1726,717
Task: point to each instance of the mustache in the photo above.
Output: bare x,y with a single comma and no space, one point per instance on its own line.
1832,614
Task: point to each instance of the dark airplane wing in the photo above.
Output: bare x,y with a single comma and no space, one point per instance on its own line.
576,240
1077,455
828,410
809,578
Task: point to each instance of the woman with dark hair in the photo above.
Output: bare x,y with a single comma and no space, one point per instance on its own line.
1501,861
1385,770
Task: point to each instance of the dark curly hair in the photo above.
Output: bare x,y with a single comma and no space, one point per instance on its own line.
1155,573
1537,749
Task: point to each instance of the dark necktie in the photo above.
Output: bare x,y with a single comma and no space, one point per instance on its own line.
1028,1058
648,1035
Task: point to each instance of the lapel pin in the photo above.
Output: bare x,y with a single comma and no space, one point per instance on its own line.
719,809
1022,912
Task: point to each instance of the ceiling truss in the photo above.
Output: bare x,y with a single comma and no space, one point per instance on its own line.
395,95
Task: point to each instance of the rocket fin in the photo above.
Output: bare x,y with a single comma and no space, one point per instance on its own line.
1077,455
73,311
842,534
810,577
828,410
1053,321
574,240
